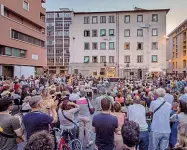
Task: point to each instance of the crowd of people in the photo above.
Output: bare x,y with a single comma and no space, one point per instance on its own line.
127,115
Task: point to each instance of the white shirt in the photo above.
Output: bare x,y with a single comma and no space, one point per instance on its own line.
161,118
169,98
137,113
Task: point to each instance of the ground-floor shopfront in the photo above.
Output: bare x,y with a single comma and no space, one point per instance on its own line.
16,70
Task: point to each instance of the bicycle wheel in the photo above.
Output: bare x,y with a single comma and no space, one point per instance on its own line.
75,145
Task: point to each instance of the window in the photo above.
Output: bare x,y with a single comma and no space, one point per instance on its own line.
154,45
86,20
103,19
27,38
94,33
94,20
26,5
111,45
154,58
86,59
140,32
184,52
127,18
94,46
111,59
86,46
102,59
140,18
103,32
127,33
94,59
154,17
9,51
127,45
103,45
184,36
154,32
111,32
140,59
184,63
139,46
86,33
111,19
127,59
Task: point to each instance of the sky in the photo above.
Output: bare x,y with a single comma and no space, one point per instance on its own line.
176,15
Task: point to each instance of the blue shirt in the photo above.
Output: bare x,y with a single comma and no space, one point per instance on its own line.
161,118
36,121
105,125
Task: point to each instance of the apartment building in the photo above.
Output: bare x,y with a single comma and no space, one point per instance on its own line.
22,37
58,23
176,50
118,43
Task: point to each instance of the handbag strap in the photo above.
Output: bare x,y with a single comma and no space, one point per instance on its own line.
159,107
67,118
88,103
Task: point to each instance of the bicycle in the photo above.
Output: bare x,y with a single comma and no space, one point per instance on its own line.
62,144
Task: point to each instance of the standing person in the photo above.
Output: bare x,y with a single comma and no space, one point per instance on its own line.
74,96
66,114
10,126
137,113
121,119
168,97
36,120
105,125
84,119
130,135
184,96
160,126
119,98
98,100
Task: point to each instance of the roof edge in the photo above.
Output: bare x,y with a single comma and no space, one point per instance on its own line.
177,27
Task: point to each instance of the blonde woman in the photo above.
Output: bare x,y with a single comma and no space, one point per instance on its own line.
121,119
182,138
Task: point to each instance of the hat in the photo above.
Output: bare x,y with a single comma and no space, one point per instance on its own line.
34,101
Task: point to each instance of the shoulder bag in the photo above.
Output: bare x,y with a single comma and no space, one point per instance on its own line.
75,124
159,107
92,110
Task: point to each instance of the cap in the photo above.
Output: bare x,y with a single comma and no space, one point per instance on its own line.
34,101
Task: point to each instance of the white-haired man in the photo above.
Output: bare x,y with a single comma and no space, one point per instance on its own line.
184,96
160,126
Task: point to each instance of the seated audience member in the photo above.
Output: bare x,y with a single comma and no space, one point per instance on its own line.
130,134
40,141
105,125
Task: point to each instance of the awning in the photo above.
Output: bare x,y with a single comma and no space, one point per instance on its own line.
155,70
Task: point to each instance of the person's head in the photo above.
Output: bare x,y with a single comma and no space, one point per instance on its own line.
6,104
119,95
130,132
35,102
160,92
182,107
45,93
136,99
167,90
83,93
117,107
182,137
175,105
105,104
40,141
102,91
65,105
108,93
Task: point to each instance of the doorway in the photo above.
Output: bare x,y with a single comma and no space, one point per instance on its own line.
139,73
8,71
